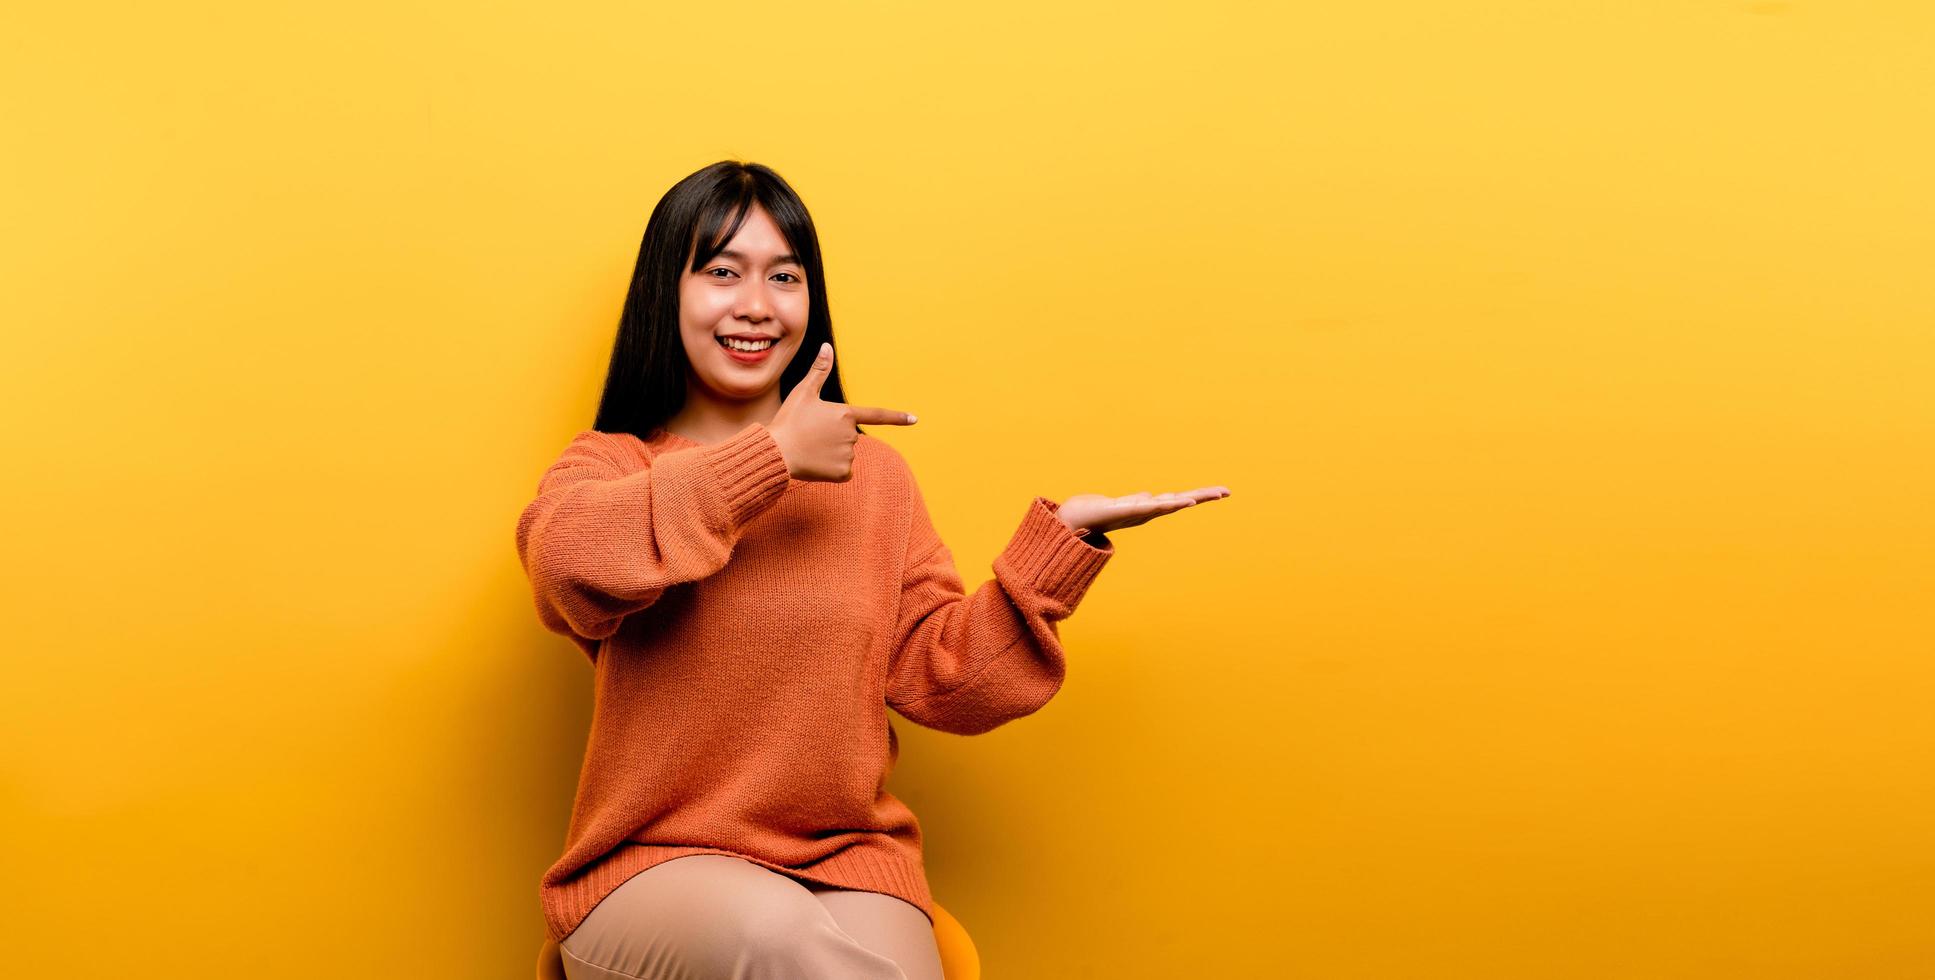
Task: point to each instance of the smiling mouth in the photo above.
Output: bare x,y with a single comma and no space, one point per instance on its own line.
747,346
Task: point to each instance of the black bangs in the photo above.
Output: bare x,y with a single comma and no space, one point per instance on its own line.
714,230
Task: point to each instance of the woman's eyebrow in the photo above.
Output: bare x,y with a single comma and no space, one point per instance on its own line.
777,259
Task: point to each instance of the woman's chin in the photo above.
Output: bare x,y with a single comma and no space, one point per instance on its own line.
737,388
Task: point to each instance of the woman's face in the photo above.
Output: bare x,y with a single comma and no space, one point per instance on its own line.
754,292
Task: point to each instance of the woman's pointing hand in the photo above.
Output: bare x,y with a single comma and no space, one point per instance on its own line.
816,436
1088,513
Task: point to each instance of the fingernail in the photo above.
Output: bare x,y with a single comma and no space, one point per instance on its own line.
825,349
911,417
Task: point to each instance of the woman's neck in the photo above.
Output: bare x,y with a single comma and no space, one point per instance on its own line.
709,420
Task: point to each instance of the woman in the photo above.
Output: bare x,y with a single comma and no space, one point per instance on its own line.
755,581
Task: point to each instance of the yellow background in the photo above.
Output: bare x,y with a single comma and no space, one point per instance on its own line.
1570,363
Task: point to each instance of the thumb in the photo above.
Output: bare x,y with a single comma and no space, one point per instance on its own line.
809,386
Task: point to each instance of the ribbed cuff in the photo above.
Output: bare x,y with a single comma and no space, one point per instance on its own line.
1051,557
750,469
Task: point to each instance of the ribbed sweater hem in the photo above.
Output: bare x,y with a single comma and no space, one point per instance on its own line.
859,867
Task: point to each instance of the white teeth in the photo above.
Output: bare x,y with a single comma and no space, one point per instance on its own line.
746,345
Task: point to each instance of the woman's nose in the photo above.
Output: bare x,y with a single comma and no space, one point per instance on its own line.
753,304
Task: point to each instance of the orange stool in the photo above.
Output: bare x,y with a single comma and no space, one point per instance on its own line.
959,961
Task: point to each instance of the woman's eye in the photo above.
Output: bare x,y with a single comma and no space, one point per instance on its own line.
717,268
795,278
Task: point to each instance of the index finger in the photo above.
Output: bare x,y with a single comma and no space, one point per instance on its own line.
864,415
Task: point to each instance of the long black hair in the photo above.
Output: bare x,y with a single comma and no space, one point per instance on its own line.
645,383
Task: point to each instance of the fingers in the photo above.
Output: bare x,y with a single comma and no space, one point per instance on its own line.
1197,495
1146,505
863,415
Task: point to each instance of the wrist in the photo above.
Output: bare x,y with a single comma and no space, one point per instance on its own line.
1092,536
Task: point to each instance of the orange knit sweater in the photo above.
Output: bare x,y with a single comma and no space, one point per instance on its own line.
747,632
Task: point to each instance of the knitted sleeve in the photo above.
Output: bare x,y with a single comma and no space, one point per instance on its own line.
966,663
600,543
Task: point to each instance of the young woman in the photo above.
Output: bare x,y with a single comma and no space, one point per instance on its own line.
755,581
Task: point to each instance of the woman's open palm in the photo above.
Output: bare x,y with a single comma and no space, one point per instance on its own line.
1088,513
